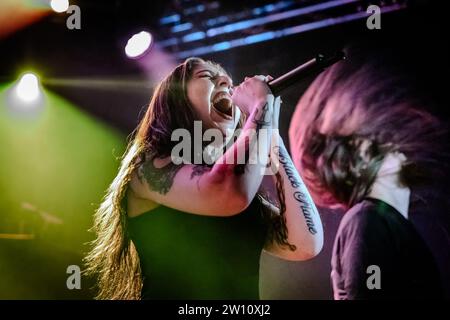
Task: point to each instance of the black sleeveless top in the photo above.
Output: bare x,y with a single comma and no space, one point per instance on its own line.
188,256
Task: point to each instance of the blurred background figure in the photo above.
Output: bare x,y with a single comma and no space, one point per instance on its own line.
367,139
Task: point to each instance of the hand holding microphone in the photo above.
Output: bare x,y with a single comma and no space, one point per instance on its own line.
252,93
311,67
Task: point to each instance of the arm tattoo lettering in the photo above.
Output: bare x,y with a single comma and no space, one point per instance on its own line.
262,118
158,179
306,208
302,198
288,167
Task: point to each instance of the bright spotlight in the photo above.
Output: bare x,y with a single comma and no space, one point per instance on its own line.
59,5
28,88
138,44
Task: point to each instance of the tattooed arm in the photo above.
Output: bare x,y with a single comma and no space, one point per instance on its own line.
302,218
227,187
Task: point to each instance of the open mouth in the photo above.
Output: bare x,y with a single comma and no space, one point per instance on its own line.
223,105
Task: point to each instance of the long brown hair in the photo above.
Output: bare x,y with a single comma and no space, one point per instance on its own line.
113,257
354,114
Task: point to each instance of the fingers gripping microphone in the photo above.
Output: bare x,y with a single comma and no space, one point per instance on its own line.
313,66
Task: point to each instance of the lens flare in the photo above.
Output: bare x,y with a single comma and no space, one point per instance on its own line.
138,44
59,5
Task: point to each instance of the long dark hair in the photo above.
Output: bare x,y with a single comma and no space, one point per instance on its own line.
113,258
354,114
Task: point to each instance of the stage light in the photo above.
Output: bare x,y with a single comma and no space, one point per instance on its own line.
138,44
194,36
59,5
28,88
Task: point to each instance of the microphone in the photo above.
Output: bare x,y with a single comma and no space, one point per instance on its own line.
313,66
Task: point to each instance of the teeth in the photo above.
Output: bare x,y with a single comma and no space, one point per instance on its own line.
221,96
222,104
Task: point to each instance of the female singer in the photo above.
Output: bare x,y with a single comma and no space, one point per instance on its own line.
170,230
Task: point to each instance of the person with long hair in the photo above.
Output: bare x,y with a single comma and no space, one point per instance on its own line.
170,229
366,140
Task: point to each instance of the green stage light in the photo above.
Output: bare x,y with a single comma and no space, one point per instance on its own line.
54,170
25,97
27,89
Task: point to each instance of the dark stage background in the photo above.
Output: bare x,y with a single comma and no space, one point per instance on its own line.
56,162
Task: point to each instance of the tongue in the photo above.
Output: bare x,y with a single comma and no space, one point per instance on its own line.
224,106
